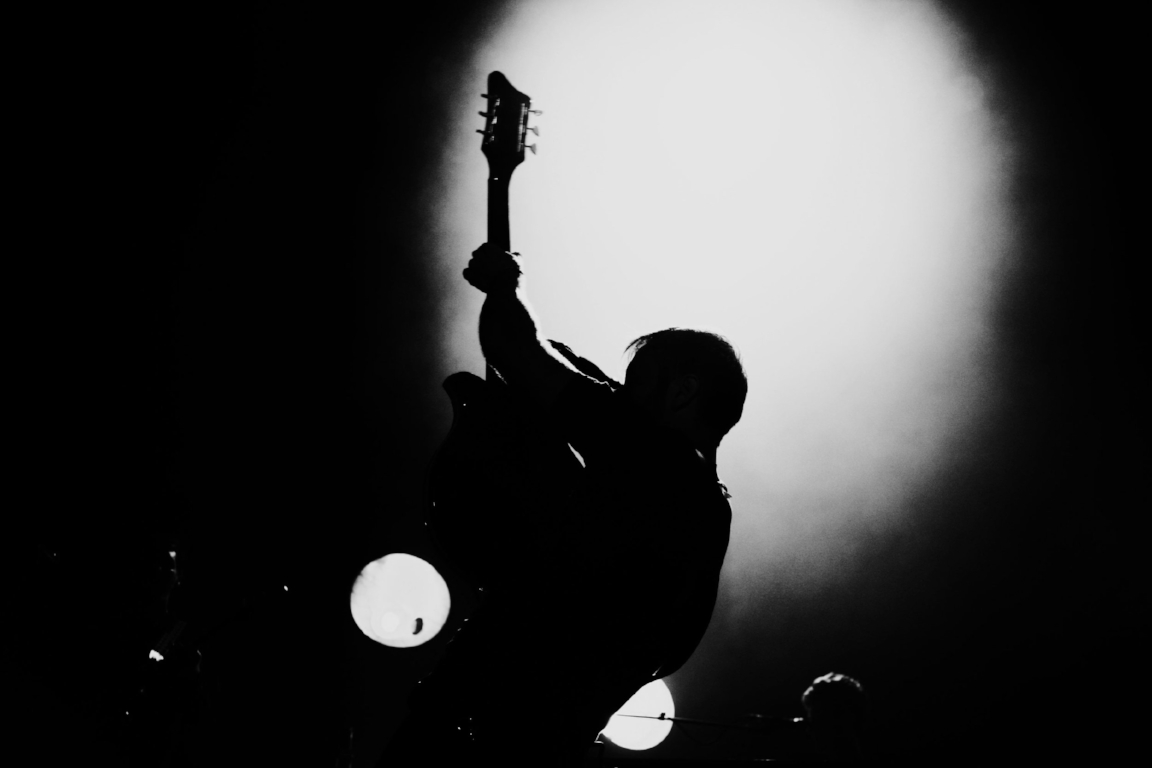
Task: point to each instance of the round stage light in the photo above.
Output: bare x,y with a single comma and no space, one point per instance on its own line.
400,601
631,726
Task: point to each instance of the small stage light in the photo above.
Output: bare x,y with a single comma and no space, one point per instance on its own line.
400,601
632,727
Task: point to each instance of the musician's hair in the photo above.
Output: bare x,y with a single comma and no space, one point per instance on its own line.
708,356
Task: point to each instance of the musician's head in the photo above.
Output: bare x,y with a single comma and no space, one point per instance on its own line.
834,700
692,380
837,716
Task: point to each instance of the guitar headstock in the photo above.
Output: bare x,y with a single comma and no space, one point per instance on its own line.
506,126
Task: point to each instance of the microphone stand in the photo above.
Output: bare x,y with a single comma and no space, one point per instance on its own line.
770,724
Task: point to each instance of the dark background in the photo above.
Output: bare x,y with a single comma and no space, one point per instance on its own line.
223,346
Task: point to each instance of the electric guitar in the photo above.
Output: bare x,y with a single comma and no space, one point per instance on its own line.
496,480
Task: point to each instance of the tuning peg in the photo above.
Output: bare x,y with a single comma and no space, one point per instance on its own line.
536,111
483,114
534,129
483,95
531,147
479,131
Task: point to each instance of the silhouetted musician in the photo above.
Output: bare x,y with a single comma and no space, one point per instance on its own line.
619,586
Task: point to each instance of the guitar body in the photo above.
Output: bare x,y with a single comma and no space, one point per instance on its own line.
498,483
499,478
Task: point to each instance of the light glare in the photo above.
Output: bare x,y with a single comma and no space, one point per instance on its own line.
819,181
642,732
400,601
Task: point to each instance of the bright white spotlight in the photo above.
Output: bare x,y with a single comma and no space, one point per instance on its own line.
400,601
653,700
821,181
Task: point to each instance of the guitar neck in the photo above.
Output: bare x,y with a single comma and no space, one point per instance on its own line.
505,128
498,234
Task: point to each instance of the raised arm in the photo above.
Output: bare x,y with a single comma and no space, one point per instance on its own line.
508,331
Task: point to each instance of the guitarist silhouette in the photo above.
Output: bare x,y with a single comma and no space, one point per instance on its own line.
588,511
